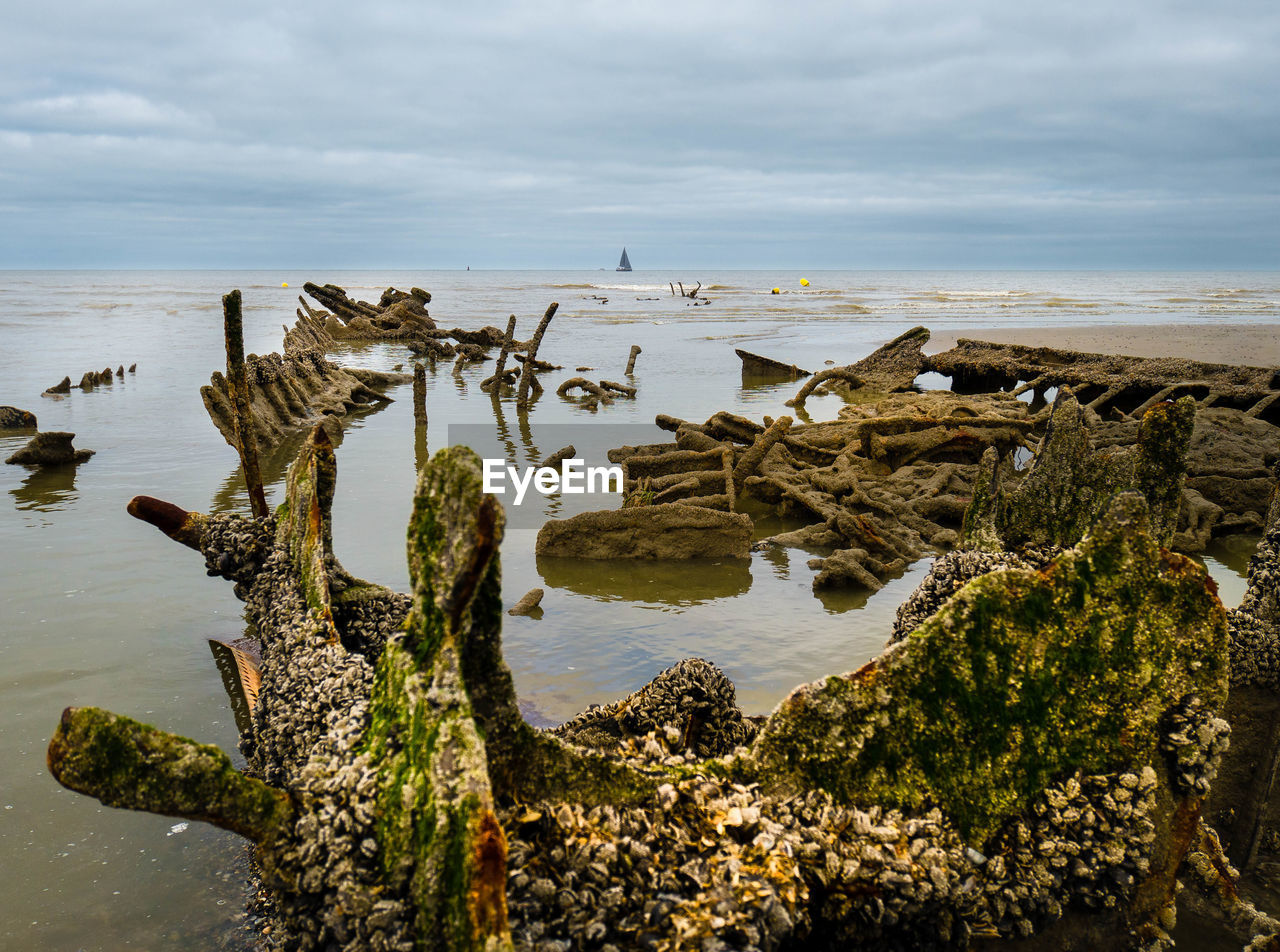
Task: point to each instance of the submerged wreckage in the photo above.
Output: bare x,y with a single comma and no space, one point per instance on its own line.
1028,759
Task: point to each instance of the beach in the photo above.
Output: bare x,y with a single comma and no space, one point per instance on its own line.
1251,345
104,611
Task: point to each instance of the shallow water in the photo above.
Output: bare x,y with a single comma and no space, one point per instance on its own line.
102,610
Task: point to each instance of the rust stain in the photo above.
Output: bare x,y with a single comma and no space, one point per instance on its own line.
488,895
864,675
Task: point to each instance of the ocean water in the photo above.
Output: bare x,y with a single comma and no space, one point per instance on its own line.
100,609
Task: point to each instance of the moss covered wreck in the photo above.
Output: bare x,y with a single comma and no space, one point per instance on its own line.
1006,770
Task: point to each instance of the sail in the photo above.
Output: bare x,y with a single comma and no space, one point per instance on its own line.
625,263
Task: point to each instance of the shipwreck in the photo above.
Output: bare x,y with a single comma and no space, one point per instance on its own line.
1046,752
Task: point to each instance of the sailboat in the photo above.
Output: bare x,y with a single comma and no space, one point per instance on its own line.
625,263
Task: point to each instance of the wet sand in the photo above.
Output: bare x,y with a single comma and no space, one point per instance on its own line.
1256,345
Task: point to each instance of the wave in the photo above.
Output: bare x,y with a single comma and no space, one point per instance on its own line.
1070,302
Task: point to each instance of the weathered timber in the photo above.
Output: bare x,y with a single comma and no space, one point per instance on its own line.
51,448
498,373
594,392
1112,652
1135,382
669,531
556,459
631,359
890,368
124,763
999,654
756,366
528,603
399,315
1069,483
246,442
175,522
291,392
13,418
531,355
419,394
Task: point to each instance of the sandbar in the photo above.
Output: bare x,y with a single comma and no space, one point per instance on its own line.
1253,345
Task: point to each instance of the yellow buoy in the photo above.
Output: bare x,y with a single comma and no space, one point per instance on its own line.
284,284
804,282
777,291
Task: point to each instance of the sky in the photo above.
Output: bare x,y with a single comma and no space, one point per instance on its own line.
896,134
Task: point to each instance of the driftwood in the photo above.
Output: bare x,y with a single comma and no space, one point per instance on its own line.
631,359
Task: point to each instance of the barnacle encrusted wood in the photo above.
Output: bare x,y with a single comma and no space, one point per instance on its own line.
128,764
1021,677
290,392
1069,482
429,814
1104,381
436,826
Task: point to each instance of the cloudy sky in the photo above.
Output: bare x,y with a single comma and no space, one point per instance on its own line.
881,134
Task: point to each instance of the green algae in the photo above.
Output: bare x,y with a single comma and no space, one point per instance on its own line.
436,825
1069,483
1021,678
125,763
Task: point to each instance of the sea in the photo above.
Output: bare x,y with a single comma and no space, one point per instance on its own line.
99,609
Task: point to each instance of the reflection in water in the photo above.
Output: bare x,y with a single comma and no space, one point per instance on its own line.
233,684
47,489
232,495
1227,560
686,582
838,600
768,379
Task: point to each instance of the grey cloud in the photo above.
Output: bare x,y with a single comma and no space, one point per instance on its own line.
1032,133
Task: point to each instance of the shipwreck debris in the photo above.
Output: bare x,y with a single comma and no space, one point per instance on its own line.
14,418
51,448
246,442
659,531
1029,759
290,392
1107,383
756,367
833,772
398,315
528,604
528,377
